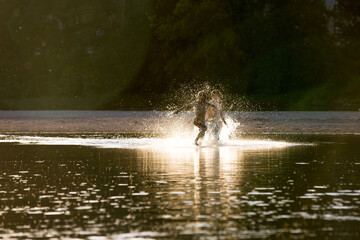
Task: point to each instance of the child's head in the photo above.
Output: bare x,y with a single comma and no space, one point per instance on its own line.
201,96
216,94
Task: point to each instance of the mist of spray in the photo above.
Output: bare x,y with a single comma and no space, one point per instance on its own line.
229,130
182,124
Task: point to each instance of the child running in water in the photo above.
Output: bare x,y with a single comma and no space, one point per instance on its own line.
200,106
214,117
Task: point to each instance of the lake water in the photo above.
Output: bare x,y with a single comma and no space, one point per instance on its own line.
109,186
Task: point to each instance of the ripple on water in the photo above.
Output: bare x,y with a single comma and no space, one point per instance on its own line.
177,193
102,193
84,208
54,213
140,235
140,194
260,193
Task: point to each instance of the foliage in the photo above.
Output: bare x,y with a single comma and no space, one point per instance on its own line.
135,54
262,49
70,50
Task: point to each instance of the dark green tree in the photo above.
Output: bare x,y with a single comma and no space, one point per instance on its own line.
66,54
265,48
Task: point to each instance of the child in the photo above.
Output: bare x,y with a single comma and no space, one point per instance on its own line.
200,106
213,118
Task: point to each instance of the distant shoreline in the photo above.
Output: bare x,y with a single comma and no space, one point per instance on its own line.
159,122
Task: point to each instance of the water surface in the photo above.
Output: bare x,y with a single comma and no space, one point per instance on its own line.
120,187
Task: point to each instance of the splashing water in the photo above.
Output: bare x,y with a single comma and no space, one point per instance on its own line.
164,144
173,133
228,130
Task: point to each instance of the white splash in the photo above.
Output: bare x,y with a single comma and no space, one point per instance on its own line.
228,130
143,143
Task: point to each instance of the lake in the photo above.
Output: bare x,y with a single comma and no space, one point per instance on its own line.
134,186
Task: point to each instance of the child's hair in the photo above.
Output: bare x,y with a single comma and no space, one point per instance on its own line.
216,92
201,96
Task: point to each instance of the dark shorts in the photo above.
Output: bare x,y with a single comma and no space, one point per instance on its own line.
200,124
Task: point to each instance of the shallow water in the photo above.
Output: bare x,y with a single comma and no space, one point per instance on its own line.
163,122
124,187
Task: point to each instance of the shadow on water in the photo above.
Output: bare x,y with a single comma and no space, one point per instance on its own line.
287,192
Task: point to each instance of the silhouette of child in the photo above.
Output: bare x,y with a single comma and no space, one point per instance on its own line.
200,106
214,117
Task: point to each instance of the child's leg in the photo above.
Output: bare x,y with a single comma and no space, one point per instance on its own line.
201,134
216,130
213,128
202,127
219,127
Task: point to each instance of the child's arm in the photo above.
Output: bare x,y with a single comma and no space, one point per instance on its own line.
183,107
222,117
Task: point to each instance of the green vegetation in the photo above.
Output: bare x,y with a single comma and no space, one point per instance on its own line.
70,54
275,54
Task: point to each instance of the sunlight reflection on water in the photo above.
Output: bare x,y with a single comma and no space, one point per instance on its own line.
128,188
165,144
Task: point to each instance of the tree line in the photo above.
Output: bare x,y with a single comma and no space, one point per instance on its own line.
272,54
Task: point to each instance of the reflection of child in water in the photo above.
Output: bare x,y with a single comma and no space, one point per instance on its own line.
214,116
200,106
